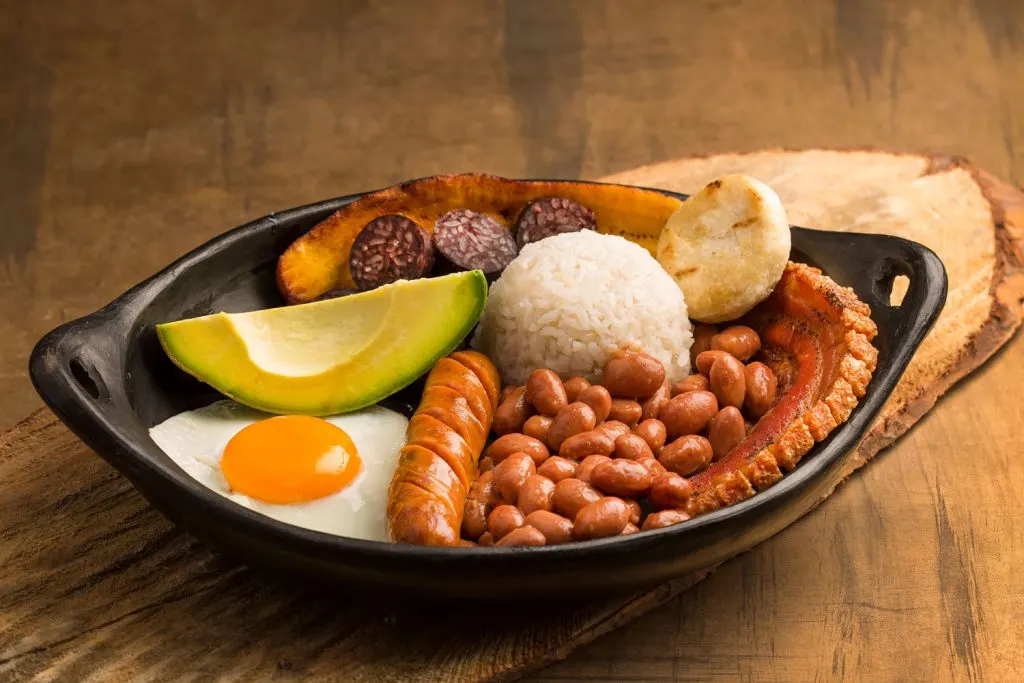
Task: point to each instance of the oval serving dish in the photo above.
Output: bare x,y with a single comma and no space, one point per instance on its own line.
106,376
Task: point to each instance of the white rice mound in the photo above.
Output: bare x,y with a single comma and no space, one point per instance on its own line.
568,302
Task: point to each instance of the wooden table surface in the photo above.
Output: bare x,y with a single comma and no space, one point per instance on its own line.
131,132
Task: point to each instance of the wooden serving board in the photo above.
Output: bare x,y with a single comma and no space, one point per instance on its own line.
96,585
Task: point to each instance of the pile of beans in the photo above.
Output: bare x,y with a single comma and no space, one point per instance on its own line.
575,460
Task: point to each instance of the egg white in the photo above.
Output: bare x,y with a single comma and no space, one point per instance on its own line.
195,441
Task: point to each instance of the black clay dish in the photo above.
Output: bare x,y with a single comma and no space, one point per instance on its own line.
107,378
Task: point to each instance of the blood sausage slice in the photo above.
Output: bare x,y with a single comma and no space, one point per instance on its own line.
474,241
390,248
549,216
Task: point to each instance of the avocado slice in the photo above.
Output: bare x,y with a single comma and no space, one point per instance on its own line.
331,356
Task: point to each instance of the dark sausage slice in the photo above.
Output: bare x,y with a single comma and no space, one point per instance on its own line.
390,248
550,216
474,241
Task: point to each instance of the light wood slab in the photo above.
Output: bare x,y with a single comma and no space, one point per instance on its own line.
97,586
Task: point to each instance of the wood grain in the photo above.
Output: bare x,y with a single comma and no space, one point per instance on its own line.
138,597
132,133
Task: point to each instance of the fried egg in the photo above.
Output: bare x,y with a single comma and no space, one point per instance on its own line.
327,474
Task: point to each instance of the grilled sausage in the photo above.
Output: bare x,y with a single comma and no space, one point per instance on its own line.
443,444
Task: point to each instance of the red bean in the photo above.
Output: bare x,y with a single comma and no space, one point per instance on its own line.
728,382
726,431
516,443
653,432
545,391
571,495
598,398
512,413
605,517
687,454
575,386
523,536
670,491
702,335
691,383
570,421
664,518
557,468
536,427
621,477
502,520
613,428
627,411
511,473
474,518
581,445
632,447
761,388
651,407
556,529
586,468
707,359
633,374
535,494
689,413
739,341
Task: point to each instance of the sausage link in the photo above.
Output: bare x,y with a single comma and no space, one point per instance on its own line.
428,491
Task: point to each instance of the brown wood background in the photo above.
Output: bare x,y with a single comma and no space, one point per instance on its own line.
132,132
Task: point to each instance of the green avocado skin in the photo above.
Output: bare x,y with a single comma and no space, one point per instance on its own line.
431,317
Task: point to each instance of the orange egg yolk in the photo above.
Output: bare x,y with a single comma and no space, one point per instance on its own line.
290,459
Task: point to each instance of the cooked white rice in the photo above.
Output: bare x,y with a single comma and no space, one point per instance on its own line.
569,301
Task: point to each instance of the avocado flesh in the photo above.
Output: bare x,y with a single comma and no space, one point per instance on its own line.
332,356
